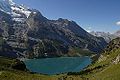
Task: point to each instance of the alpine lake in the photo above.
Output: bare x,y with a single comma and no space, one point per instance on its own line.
53,66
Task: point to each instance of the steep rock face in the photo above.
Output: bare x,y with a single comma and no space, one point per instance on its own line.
31,35
67,32
6,50
114,44
111,52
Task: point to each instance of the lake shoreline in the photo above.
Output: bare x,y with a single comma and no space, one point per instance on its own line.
24,59
57,66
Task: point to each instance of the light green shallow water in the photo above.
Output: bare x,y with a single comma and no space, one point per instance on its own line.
52,66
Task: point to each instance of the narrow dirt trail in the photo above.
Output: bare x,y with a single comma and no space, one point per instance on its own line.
0,73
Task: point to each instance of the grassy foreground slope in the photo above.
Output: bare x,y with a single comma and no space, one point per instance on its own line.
106,67
12,69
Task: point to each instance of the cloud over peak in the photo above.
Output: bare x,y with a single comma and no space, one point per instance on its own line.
118,23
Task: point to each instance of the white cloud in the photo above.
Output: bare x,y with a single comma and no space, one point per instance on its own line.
89,29
118,23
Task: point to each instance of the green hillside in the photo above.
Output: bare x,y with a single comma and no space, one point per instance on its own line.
106,67
12,69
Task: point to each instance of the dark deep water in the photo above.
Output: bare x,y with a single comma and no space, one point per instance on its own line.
53,66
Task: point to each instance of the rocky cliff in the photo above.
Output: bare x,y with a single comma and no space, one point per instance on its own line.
32,35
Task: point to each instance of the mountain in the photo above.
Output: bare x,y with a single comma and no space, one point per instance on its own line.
106,65
6,50
31,35
117,33
107,36
17,12
5,6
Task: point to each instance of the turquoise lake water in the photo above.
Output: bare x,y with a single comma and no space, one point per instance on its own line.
53,66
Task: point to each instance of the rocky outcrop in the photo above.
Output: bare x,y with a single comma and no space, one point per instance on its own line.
117,60
7,64
19,65
111,52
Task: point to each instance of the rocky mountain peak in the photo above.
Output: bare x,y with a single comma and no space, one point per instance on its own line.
32,35
18,12
63,20
11,2
5,6
36,15
117,33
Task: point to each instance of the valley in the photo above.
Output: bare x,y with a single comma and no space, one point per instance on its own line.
101,69
34,47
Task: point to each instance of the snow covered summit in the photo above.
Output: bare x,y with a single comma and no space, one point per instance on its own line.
5,6
18,12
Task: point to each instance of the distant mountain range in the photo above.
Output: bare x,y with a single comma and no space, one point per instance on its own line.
31,35
107,36
117,33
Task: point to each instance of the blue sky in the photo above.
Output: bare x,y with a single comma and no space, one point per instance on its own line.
99,15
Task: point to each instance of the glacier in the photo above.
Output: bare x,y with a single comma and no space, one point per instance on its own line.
17,12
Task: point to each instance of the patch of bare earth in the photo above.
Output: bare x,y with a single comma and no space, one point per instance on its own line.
0,73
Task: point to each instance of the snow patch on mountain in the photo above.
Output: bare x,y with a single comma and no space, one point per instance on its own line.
11,2
5,6
21,9
18,12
